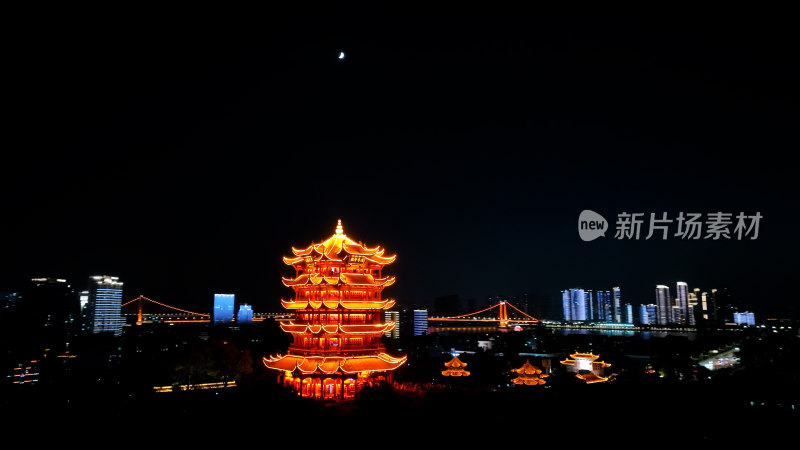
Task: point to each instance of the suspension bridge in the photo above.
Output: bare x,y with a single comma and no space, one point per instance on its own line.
506,314
173,314
152,311
502,317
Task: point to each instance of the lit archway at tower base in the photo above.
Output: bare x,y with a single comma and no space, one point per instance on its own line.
331,386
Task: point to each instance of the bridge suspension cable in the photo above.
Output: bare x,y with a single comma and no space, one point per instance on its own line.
521,311
142,297
473,313
503,316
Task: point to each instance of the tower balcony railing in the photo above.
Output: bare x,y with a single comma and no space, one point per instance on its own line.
331,319
350,350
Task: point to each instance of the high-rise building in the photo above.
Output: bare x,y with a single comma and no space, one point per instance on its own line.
713,313
245,314
744,318
85,312
705,311
648,314
406,322
566,304
694,302
591,314
105,304
597,307
83,299
725,306
617,304
574,303
675,313
392,316
223,308
663,305
682,302
604,306
628,313
702,303
420,322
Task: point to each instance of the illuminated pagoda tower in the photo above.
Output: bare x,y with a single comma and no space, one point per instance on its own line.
338,320
455,368
586,366
529,375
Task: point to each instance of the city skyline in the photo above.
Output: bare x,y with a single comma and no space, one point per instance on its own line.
696,309
394,223
575,305
184,161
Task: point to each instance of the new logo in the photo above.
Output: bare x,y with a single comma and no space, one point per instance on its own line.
591,225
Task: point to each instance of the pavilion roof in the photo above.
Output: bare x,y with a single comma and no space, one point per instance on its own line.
336,248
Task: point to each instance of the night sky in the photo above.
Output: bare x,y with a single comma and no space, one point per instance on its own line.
186,152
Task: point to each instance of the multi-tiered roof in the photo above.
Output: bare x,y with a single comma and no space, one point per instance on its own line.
529,375
338,312
587,367
455,368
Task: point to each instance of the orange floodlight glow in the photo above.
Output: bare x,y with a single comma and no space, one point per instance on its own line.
338,319
529,375
455,368
588,368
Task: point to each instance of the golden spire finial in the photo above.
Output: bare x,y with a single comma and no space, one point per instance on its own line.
339,229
